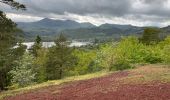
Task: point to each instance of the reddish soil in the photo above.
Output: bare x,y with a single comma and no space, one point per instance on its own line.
104,88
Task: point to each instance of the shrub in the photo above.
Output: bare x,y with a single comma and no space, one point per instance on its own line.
129,51
85,61
165,47
167,54
153,54
23,74
105,56
122,65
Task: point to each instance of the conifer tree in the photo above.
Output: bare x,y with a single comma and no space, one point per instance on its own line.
36,47
60,58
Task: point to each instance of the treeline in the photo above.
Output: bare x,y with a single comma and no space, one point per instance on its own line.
39,64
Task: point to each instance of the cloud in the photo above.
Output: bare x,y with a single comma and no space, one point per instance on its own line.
23,18
138,12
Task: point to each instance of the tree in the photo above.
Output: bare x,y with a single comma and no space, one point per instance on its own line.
13,4
39,65
85,62
150,36
23,74
37,46
7,26
7,41
60,58
19,50
38,39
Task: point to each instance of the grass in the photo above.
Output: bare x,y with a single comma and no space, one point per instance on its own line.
148,73
50,83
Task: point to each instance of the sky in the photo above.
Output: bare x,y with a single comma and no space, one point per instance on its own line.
134,12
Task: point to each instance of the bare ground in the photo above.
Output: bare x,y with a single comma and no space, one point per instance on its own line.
103,88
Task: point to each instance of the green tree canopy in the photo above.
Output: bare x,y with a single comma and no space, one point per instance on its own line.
7,41
60,58
23,74
150,36
37,46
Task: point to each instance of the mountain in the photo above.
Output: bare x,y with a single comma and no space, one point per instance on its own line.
55,24
49,28
122,27
166,29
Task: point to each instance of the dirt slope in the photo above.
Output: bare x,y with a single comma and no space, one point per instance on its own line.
105,88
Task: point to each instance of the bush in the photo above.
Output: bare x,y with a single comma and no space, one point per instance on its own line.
153,54
129,51
165,47
85,61
106,56
167,54
122,65
23,74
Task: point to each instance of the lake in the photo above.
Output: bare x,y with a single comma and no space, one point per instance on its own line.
50,44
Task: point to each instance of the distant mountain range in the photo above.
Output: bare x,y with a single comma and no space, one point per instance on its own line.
48,29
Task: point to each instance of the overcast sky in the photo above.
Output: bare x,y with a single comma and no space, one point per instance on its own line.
135,12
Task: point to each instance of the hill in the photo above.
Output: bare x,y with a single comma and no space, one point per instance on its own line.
166,29
49,28
150,82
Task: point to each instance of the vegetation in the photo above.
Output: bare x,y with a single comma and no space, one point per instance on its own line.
150,36
131,51
23,74
62,61
20,68
60,58
37,46
7,41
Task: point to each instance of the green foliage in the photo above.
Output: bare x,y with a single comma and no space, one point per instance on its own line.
20,50
38,39
166,52
153,54
40,65
133,51
85,61
150,36
165,48
37,46
105,56
23,73
129,51
7,54
7,40
60,59
121,65
118,56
